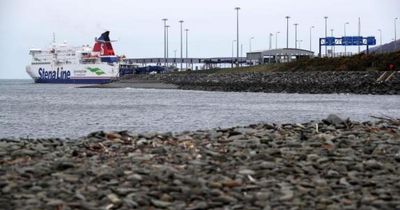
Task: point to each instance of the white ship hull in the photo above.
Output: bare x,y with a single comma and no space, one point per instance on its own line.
73,74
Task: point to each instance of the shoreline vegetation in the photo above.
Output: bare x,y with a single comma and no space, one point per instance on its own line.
357,74
329,164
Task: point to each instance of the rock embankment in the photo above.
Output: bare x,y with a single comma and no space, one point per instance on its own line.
357,82
333,164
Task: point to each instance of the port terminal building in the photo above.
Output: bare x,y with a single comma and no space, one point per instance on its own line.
252,58
277,56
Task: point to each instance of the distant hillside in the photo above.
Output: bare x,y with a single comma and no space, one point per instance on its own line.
387,48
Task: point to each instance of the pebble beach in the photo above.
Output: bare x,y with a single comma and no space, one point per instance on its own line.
220,121
331,164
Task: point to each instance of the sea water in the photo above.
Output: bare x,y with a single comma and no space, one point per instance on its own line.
51,110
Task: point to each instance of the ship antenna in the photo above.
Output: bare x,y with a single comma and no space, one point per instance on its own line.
54,37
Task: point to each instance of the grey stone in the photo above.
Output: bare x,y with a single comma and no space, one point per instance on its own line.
334,119
160,204
373,164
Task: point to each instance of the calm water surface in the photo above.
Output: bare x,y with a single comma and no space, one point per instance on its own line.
40,110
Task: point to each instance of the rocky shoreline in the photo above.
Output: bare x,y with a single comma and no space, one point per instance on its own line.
356,82
332,164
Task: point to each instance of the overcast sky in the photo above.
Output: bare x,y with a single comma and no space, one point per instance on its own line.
137,25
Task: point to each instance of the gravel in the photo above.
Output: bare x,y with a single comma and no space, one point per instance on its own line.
332,164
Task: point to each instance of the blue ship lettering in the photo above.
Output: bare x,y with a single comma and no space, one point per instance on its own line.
59,74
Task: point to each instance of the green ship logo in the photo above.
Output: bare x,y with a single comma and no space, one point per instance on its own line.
96,70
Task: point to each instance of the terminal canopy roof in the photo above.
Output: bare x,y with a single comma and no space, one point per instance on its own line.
284,51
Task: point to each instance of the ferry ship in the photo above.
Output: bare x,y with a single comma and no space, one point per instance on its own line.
76,65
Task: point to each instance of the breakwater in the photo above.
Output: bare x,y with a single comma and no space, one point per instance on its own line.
330,164
357,82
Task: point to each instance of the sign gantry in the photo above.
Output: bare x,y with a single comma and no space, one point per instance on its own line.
347,41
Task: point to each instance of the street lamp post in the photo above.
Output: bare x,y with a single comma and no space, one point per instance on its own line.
345,48
181,22
326,33
233,51
276,39
295,35
311,37
287,31
359,32
187,46
237,35
165,39
250,43
270,40
332,47
380,40
395,33
175,58
270,45
300,41
167,44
